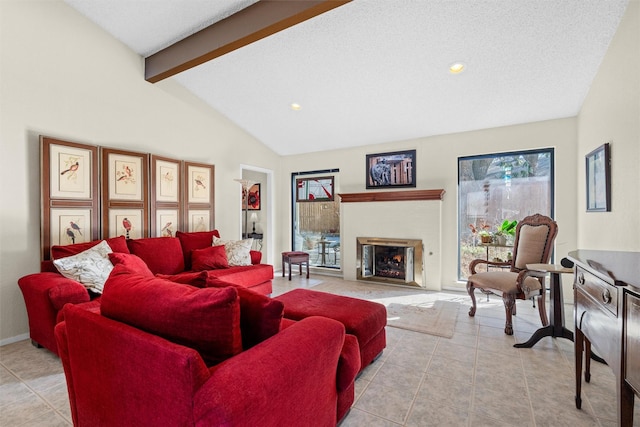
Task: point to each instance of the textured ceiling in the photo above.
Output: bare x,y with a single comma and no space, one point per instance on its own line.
375,71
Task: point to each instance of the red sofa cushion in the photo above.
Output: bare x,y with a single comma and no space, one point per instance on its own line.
193,278
195,240
117,244
161,254
260,316
209,258
132,262
247,276
207,320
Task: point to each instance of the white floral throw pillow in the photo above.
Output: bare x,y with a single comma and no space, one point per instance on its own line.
237,250
91,267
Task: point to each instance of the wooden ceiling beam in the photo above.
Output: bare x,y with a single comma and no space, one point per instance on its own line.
260,20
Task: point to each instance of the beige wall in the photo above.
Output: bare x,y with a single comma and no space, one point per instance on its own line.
64,77
611,113
437,167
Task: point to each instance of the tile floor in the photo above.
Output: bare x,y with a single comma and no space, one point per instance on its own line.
476,378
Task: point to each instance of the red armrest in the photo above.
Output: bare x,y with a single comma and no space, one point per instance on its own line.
256,257
288,379
44,295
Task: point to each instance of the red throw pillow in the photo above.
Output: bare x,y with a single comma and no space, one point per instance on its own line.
207,320
133,263
197,278
260,316
209,258
161,254
117,244
195,240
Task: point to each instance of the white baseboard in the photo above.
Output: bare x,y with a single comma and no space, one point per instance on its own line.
11,340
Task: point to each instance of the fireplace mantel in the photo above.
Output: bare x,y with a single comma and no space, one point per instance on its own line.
392,196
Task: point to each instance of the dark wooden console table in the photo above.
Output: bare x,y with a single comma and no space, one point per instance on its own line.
607,316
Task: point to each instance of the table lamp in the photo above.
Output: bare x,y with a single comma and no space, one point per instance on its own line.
254,218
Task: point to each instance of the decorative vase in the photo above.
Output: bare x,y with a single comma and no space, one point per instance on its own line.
501,240
485,239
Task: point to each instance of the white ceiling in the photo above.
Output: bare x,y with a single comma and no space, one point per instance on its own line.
376,71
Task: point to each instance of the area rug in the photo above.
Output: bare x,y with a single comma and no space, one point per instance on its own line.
414,310
436,318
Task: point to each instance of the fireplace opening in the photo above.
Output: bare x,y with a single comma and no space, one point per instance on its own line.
390,260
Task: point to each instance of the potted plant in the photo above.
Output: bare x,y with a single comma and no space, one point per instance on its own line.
507,228
481,230
485,236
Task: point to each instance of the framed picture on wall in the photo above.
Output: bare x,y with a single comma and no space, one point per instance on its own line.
126,175
70,171
199,220
166,222
126,222
253,204
70,226
395,169
199,181
598,167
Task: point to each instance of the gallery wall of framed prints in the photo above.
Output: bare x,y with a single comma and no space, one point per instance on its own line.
90,192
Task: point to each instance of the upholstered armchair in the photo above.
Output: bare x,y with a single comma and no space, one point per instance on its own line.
533,244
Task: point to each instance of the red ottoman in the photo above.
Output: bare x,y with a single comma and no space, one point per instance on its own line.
364,319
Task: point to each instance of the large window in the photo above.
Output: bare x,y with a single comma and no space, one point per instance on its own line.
316,217
494,188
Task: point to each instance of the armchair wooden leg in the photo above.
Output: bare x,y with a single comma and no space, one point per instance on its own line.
509,302
470,291
542,309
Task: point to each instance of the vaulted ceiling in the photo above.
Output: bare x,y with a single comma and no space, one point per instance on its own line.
374,71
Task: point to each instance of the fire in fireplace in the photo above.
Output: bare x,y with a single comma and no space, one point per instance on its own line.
392,261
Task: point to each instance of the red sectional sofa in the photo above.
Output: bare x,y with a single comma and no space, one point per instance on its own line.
46,293
157,352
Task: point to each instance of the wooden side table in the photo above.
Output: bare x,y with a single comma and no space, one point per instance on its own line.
556,328
295,257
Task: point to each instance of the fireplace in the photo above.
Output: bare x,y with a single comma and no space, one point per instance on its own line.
391,261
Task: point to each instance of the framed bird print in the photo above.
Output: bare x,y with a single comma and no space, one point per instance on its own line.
126,175
166,196
199,220
68,184
126,222
199,186
70,226
166,223
125,188
199,183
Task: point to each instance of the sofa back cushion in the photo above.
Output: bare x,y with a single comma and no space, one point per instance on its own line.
207,320
209,258
132,262
90,267
161,254
195,240
260,316
117,244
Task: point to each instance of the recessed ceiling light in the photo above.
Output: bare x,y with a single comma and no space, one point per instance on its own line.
296,106
456,68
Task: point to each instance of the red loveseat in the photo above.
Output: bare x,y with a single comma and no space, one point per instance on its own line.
45,293
158,352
